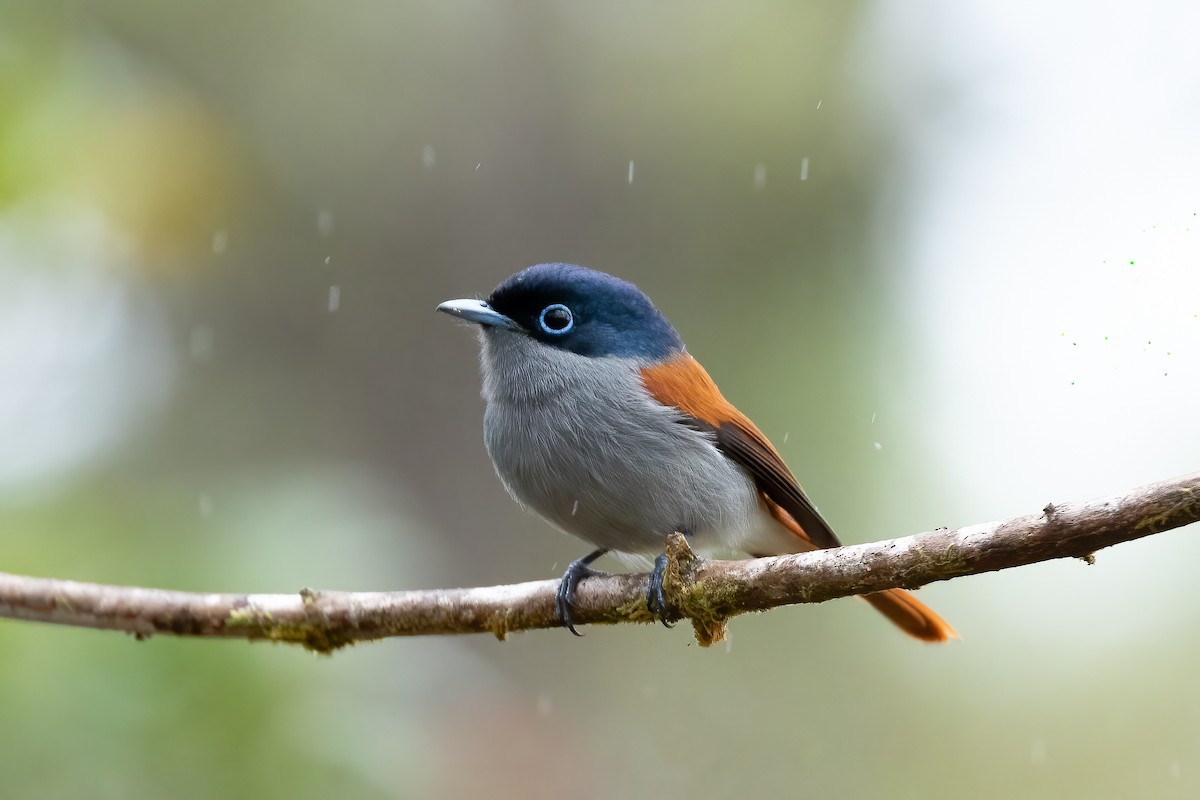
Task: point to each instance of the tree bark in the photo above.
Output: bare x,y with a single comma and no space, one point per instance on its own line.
708,593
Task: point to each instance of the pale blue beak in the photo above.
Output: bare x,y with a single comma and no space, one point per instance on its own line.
478,312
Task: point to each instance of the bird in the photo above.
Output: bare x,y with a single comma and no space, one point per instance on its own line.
599,421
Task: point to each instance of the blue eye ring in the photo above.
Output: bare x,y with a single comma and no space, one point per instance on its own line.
556,314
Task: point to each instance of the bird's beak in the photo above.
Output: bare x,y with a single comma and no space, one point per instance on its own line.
478,312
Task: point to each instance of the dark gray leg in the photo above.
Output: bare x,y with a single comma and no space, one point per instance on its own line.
577,570
656,598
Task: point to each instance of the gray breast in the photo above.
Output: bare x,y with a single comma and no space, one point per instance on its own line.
579,441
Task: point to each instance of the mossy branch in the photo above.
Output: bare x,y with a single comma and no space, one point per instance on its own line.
708,593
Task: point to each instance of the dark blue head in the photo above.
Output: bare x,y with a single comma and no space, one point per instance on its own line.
576,309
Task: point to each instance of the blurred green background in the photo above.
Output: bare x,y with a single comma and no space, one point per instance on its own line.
944,254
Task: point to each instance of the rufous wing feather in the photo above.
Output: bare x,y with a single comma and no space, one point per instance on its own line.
683,384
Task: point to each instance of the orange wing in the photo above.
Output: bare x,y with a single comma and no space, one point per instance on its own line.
682,383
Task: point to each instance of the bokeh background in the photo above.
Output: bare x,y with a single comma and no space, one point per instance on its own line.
946,254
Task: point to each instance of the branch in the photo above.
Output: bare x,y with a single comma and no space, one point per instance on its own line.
706,592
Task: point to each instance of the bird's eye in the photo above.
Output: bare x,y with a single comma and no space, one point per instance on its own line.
556,319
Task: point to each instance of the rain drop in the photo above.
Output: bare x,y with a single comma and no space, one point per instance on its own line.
325,222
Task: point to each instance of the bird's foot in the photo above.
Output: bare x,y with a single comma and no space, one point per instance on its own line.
656,598
577,570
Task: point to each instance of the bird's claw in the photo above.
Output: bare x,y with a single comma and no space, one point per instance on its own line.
577,570
656,598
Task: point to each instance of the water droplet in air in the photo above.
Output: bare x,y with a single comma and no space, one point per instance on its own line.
325,222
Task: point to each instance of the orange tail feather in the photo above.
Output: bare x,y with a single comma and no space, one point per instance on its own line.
905,611
911,615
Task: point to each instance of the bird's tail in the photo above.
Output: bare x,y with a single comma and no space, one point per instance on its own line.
911,615
905,611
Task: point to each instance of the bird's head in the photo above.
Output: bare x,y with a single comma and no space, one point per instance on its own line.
576,310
